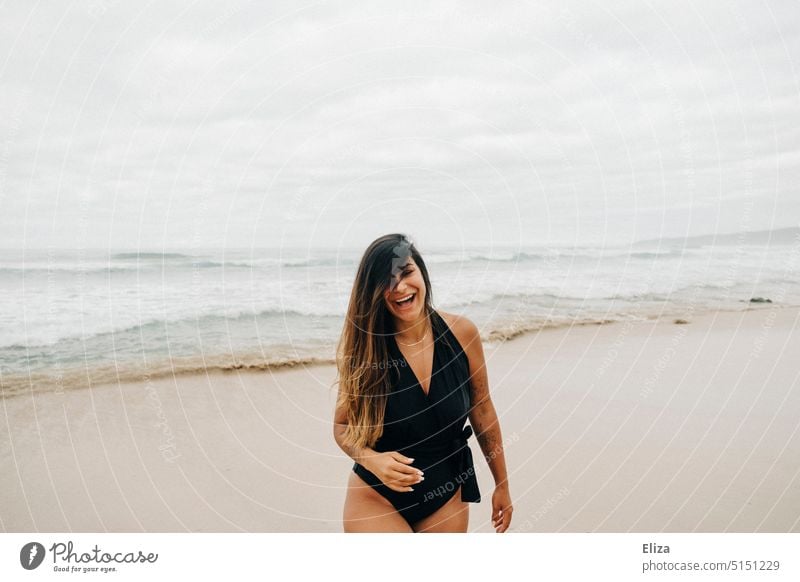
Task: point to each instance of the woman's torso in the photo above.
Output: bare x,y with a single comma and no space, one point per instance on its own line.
416,423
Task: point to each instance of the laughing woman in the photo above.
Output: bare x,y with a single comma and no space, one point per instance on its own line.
409,376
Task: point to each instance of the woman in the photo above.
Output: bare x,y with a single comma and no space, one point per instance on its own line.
409,376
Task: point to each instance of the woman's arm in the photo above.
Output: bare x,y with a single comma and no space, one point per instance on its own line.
361,455
483,416
392,468
485,423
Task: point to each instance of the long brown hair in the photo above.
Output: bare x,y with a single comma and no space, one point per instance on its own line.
362,355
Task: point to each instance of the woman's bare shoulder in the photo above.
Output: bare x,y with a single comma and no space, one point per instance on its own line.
462,327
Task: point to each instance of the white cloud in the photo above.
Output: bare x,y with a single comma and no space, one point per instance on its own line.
587,112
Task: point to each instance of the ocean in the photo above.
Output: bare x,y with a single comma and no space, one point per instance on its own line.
75,318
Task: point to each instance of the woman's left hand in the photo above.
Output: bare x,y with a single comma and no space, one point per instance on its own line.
501,508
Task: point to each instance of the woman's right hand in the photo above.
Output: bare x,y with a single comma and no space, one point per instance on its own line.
394,470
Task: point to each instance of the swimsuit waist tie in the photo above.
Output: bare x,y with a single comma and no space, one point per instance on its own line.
466,468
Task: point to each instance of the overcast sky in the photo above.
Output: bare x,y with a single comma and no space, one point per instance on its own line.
231,124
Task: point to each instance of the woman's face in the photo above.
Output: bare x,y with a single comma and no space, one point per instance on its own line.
407,283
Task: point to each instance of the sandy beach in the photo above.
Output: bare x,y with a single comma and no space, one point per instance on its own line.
645,426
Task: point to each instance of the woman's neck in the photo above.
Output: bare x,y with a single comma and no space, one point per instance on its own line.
411,332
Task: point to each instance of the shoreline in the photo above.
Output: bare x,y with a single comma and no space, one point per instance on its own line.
12,386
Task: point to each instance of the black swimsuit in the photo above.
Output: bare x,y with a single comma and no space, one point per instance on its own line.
429,428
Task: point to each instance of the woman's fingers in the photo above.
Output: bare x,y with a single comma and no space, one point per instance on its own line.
408,469
502,519
407,478
401,458
399,488
400,484
403,463
400,474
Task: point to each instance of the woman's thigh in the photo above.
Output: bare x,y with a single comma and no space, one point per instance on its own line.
366,510
452,517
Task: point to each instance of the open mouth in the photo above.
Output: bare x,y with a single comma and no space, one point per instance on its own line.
405,302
